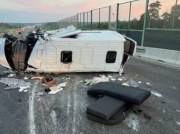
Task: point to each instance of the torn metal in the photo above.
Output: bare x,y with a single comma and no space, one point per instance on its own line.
67,50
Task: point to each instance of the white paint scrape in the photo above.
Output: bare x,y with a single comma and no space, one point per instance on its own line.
132,122
156,94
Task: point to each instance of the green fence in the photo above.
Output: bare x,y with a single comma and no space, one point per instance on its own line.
152,23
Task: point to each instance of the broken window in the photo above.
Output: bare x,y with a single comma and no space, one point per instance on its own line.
111,57
66,57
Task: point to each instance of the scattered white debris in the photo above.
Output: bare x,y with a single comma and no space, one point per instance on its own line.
121,70
109,76
139,82
62,85
13,86
54,92
125,84
120,79
44,85
156,94
178,123
178,111
25,78
25,90
133,83
22,88
164,111
68,77
96,80
112,79
58,88
11,75
148,83
123,78
15,83
40,94
132,122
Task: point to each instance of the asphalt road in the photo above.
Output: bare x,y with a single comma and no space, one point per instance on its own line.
64,113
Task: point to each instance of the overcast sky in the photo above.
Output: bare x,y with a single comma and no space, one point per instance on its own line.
28,11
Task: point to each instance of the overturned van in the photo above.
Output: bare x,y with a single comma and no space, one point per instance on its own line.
67,50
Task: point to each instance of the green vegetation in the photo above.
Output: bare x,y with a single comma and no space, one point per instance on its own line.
4,27
50,26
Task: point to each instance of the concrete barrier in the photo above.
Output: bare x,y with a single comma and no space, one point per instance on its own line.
165,55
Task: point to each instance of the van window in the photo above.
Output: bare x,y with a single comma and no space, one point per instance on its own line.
66,57
111,57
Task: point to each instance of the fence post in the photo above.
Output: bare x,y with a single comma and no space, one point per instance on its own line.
174,16
77,21
109,17
117,16
87,21
144,25
129,22
91,18
99,17
83,20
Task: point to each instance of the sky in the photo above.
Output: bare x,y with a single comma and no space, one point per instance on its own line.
36,11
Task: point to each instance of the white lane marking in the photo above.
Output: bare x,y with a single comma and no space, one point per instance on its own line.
31,110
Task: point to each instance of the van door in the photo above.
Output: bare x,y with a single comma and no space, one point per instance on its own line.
129,49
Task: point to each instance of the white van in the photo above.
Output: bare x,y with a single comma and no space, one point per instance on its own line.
70,50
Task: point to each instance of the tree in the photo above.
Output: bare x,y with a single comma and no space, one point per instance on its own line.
166,18
175,13
153,11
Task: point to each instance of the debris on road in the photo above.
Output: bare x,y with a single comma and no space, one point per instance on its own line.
125,84
96,80
132,83
48,80
15,83
25,78
22,88
178,123
147,116
132,122
68,77
156,94
39,94
47,90
13,86
113,79
55,89
44,85
139,82
148,83
120,79
137,111
62,85
109,76
11,75
178,111
33,78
